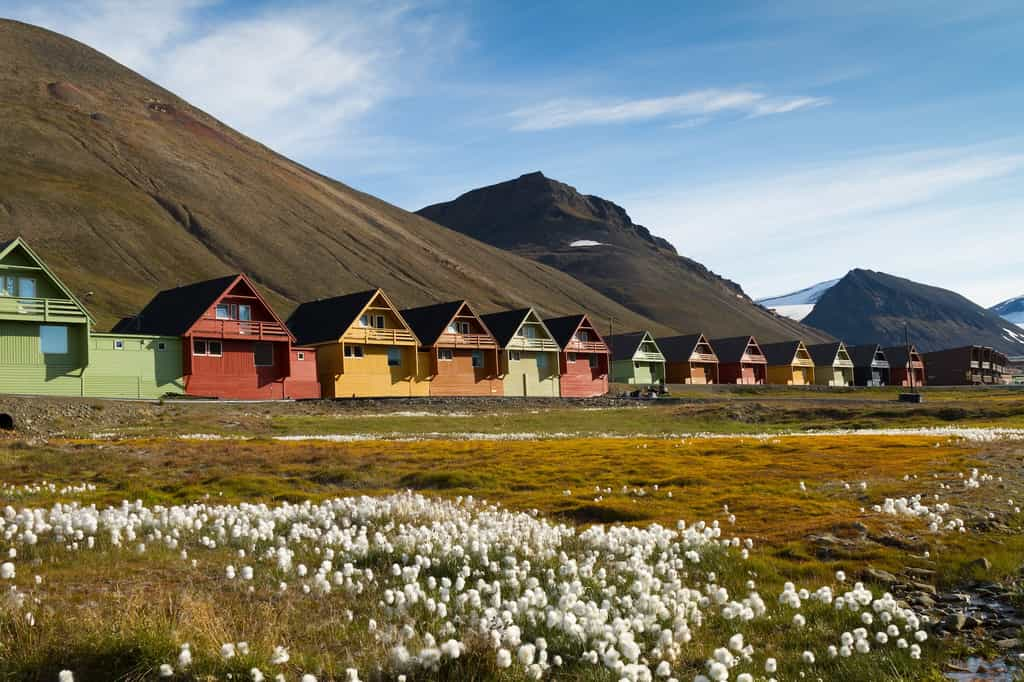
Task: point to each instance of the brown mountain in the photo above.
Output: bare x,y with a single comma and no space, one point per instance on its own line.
125,189
867,307
541,218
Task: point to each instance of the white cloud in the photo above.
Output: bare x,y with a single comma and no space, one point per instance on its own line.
565,113
296,79
926,215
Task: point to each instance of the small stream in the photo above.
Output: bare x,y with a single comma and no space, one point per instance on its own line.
987,610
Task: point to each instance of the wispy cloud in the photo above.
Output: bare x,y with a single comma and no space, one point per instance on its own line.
293,78
883,211
566,113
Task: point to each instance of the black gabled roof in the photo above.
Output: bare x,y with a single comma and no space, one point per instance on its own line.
624,346
781,353
731,349
898,357
562,328
863,355
680,348
429,322
327,319
824,354
173,311
505,324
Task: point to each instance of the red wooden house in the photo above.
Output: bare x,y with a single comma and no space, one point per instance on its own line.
740,360
905,369
462,354
234,345
582,356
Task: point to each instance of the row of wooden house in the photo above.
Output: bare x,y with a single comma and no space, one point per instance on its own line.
220,338
639,358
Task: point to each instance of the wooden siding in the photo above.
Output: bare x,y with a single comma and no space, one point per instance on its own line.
302,383
834,375
639,372
138,370
742,373
368,376
525,377
234,375
579,379
25,369
458,377
790,375
691,372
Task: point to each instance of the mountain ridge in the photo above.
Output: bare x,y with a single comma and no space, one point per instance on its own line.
542,218
125,189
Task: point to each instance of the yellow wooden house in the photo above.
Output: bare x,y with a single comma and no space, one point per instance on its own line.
529,359
364,347
789,363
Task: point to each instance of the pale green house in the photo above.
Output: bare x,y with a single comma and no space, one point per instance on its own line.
529,353
636,359
47,346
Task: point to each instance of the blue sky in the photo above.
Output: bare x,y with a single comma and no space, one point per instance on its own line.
779,145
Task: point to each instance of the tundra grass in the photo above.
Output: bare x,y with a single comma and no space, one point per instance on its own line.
123,616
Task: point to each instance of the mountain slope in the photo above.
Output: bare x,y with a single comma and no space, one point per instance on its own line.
867,307
126,189
1011,310
595,241
798,304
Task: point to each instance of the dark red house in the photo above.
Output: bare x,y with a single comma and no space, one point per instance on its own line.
740,360
582,356
905,366
234,345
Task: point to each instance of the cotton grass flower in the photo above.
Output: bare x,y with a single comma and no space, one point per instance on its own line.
65,676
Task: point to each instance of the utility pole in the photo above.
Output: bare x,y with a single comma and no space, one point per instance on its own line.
910,359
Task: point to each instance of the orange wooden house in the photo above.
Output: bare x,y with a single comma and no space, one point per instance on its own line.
458,354
689,359
583,358
234,344
740,360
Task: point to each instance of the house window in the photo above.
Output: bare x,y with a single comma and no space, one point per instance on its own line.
234,311
223,311
542,361
478,359
394,357
53,340
515,355
18,286
118,344
464,327
594,362
528,332
245,312
263,354
353,351
444,354
583,335
378,321
161,345
199,347
8,286
300,355
453,328
214,348
364,320
572,358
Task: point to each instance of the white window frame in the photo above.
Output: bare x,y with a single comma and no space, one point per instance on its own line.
300,355
21,287
445,354
379,322
161,346
353,351
248,312
571,358
227,311
515,355
364,320
464,327
195,344
209,348
118,344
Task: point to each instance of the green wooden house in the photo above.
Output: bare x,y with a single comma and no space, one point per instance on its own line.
47,346
636,359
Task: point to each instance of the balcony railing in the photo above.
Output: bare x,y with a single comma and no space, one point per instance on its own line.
641,356
392,337
576,346
449,340
703,357
259,331
843,364
525,343
40,309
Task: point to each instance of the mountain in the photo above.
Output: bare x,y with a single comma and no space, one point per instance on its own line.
799,304
1012,310
595,241
125,189
866,307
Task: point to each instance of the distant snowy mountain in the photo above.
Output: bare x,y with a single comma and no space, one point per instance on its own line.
799,304
1011,311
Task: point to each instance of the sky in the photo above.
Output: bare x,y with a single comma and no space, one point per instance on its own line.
780,144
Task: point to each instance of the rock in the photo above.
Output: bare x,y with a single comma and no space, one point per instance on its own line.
925,587
981,563
880,576
956,622
922,600
919,572
1013,643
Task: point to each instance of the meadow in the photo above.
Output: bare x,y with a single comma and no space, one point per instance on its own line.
718,538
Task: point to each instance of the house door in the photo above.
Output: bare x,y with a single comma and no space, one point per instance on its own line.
697,375
525,392
748,376
876,378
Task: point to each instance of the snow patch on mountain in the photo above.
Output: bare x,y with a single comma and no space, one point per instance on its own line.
798,304
1011,310
586,242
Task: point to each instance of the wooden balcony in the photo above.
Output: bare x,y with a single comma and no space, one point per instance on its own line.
389,337
525,343
475,341
41,310
703,357
843,364
641,356
240,329
576,346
